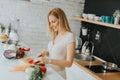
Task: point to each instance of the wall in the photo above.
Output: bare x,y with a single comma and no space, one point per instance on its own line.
108,48
33,18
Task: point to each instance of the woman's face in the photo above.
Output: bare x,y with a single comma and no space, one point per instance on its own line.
54,23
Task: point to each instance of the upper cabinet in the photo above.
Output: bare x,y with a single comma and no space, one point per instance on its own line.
96,22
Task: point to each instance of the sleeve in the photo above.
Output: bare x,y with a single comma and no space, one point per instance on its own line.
71,38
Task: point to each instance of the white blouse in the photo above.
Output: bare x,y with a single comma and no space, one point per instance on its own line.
59,51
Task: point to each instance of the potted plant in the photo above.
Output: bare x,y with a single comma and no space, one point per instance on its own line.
116,14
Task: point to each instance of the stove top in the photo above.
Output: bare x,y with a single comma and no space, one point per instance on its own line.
99,69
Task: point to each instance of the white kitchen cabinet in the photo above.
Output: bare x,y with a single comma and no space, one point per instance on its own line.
76,73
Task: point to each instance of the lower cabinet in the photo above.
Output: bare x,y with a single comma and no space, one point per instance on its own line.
76,73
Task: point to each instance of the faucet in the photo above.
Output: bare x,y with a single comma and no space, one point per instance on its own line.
87,51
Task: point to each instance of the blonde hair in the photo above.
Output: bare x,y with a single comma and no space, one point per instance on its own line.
63,22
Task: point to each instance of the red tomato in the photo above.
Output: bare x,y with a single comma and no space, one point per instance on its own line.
28,49
23,49
43,69
31,61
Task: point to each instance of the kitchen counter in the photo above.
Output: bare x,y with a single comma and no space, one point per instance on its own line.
6,66
7,74
98,76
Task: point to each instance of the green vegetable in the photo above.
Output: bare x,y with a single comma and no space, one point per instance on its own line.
37,74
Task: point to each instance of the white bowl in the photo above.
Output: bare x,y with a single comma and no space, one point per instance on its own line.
91,16
84,15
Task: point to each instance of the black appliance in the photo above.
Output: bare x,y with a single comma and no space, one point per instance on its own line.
99,69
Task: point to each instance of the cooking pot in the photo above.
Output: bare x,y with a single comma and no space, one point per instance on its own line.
110,66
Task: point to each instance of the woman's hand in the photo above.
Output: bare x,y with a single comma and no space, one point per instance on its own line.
43,54
43,60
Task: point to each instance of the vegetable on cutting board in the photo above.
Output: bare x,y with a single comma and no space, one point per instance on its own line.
20,68
31,61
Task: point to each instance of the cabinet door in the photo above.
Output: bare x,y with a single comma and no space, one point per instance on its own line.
76,73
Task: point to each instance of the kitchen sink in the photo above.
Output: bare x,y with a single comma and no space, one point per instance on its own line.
99,69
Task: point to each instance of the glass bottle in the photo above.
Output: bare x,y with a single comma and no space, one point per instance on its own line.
13,33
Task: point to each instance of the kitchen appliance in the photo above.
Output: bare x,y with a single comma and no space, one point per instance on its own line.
87,51
100,69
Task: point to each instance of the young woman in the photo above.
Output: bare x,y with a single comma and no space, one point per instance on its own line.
61,48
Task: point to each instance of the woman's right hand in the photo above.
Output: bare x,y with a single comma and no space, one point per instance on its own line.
43,53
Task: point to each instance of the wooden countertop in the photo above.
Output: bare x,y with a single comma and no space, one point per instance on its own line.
98,76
